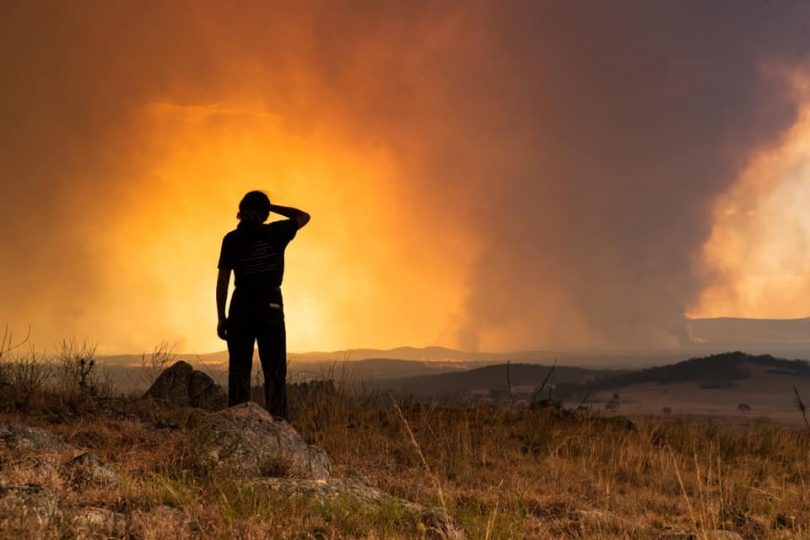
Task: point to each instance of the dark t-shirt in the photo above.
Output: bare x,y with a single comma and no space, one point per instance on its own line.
256,256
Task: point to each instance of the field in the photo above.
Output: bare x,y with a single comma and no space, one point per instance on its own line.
497,470
500,473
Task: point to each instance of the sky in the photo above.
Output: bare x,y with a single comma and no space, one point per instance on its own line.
482,175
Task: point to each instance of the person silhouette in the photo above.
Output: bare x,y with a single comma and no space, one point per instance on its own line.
254,251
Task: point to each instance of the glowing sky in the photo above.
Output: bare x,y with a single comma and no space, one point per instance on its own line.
482,175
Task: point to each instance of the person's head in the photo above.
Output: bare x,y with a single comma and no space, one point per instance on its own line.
254,208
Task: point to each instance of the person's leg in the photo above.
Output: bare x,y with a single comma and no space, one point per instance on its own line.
240,363
272,341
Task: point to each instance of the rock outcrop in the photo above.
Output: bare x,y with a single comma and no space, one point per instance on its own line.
28,505
31,438
144,524
181,385
247,441
47,477
95,522
88,470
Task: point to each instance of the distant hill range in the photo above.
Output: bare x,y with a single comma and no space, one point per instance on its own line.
737,384
414,354
566,382
787,337
428,370
493,380
718,369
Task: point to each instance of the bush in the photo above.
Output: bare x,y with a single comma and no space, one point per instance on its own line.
24,376
78,369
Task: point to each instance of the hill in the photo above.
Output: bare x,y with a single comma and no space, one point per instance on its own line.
438,355
717,369
714,385
492,380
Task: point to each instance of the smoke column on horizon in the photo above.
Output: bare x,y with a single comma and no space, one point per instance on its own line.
489,176
756,262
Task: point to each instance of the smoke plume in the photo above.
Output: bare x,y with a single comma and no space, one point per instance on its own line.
481,174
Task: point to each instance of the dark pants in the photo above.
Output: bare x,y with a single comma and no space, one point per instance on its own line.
252,321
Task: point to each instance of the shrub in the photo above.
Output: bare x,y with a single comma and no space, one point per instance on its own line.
78,369
24,376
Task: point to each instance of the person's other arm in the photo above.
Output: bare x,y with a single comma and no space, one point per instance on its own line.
223,281
300,217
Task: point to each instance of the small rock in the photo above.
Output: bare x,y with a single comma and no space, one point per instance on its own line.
24,437
28,504
93,522
162,522
247,441
88,470
329,489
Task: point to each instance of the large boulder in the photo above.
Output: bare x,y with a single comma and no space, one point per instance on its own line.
171,386
183,386
246,441
204,393
31,455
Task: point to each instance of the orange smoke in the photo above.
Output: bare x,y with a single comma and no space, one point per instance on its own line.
757,259
479,175
355,275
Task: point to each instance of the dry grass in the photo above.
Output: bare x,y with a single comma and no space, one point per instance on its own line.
501,472
525,473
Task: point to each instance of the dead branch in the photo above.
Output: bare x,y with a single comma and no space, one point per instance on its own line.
802,406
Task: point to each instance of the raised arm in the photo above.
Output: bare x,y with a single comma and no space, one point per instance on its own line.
300,217
223,280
